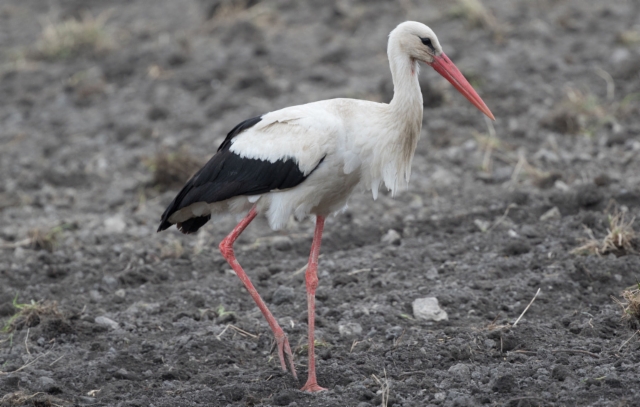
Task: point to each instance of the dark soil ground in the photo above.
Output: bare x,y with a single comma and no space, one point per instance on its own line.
146,319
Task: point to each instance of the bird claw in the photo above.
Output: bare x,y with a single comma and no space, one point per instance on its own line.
285,349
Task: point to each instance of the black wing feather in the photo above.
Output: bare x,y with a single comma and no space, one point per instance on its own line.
227,175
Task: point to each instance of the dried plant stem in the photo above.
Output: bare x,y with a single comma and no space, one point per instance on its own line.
525,310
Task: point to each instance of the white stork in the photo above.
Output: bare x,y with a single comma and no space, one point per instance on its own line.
308,159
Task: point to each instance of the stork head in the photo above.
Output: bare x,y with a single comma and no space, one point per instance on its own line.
419,43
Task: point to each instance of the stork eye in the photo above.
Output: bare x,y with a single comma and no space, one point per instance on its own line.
427,42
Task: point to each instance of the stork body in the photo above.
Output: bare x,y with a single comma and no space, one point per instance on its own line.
308,159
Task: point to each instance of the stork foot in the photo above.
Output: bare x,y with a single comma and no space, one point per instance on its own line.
285,349
312,387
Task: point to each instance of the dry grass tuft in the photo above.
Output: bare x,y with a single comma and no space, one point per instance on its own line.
579,112
488,144
492,147
85,86
73,37
18,398
629,37
582,112
173,250
621,239
47,239
385,388
303,348
29,314
476,14
226,9
40,239
21,398
171,170
630,305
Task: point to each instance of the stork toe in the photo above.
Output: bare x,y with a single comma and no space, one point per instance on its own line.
285,349
312,387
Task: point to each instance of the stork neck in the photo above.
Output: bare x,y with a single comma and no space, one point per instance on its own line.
407,97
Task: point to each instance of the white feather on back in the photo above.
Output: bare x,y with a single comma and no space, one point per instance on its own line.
304,133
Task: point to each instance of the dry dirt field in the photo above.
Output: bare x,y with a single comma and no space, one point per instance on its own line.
107,107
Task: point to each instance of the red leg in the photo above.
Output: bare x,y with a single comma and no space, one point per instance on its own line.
226,248
312,284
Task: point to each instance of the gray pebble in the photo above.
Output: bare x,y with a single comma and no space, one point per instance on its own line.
281,243
110,281
428,309
463,401
349,329
95,295
392,237
440,396
460,372
46,381
104,321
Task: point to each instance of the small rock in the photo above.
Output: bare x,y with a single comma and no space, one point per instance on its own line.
284,397
529,231
392,237
263,273
280,243
560,373
350,329
114,197
120,293
432,273
156,113
19,253
123,374
95,295
428,309
104,321
115,224
283,294
602,180
516,248
46,381
325,354
588,196
460,371
393,333
463,401
143,308
110,281
7,309
504,384
444,178
553,213
547,181
440,396
561,185
481,224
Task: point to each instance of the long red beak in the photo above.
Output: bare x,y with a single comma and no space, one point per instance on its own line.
443,65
